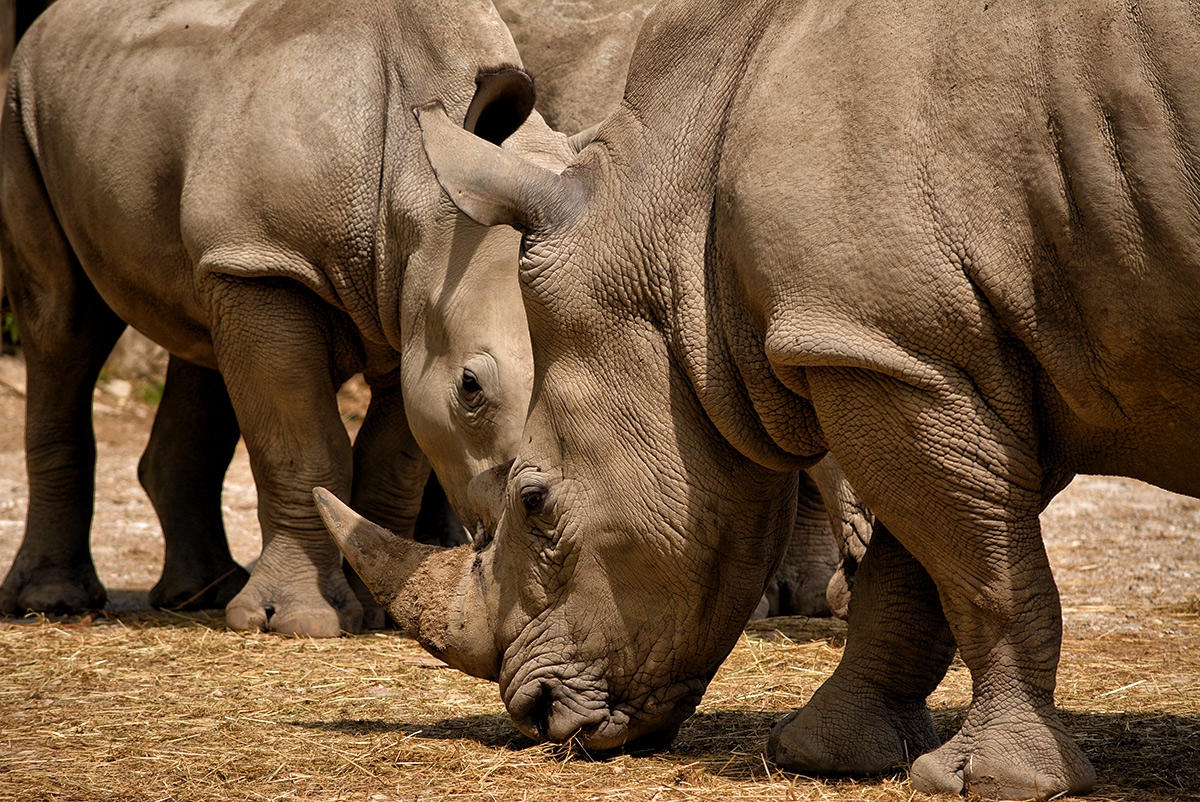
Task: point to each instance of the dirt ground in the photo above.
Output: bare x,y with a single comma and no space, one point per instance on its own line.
141,705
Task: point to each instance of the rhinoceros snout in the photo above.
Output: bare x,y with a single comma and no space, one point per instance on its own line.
546,710
550,709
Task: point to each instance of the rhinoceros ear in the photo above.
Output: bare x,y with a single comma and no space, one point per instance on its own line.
502,102
577,142
490,185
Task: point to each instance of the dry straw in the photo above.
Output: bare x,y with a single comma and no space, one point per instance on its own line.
160,706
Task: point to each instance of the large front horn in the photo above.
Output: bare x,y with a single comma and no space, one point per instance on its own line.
435,595
491,185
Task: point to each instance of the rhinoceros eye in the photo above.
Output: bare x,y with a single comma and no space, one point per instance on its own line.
532,499
472,391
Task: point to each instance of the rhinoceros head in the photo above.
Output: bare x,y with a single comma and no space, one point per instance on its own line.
466,367
630,541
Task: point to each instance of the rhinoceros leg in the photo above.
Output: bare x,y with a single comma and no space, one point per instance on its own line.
390,473
898,637
973,525
66,331
277,350
798,587
183,470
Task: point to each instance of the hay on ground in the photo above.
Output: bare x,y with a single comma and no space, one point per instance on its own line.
158,706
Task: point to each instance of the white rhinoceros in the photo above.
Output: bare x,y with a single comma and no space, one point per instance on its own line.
243,181
955,245
578,52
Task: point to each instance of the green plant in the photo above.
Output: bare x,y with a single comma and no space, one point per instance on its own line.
151,392
8,328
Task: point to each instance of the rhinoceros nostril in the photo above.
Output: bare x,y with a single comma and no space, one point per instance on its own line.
538,717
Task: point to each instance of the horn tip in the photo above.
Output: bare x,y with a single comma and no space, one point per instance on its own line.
327,503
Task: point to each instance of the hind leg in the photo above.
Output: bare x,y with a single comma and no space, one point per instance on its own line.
67,332
183,471
966,566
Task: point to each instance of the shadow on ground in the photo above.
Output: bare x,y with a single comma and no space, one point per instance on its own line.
494,731
1151,758
1142,753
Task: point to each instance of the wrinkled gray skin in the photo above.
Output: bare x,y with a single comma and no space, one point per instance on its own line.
243,182
578,51
955,246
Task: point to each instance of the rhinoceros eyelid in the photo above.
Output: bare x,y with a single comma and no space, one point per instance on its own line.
532,491
471,388
476,376
532,496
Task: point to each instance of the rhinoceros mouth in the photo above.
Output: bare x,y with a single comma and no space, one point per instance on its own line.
551,708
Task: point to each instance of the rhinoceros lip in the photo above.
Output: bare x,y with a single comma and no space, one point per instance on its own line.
547,708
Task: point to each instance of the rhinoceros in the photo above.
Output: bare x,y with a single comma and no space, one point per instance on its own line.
579,53
243,181
954,245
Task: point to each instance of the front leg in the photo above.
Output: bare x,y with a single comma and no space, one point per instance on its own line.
278,351
955,476
183,472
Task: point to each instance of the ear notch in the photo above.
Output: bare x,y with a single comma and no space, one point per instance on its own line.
503,100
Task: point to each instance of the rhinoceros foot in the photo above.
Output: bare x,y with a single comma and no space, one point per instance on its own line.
205,590
845,732
1034,759
290,595
51,589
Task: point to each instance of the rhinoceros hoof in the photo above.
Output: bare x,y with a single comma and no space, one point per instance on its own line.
198,592
60,591
1028,760
842,734
295,609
